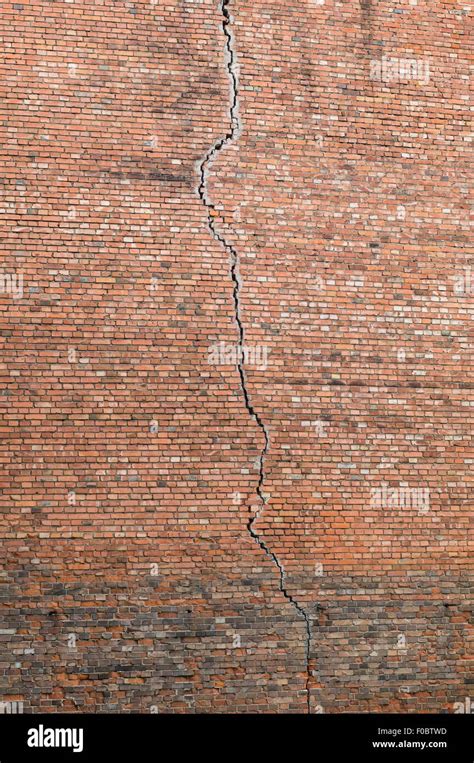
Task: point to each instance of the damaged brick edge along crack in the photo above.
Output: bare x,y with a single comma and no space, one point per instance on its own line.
204,167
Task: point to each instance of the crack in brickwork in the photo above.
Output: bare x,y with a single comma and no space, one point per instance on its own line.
218,146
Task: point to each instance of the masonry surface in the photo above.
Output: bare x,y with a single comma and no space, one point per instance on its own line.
185,535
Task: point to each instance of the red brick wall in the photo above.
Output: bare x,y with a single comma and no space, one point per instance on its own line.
186,530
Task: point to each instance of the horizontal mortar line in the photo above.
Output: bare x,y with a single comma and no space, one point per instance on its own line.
286,383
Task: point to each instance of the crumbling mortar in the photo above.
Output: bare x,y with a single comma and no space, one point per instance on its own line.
218,145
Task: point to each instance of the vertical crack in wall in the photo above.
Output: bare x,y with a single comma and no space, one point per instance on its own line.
221,143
